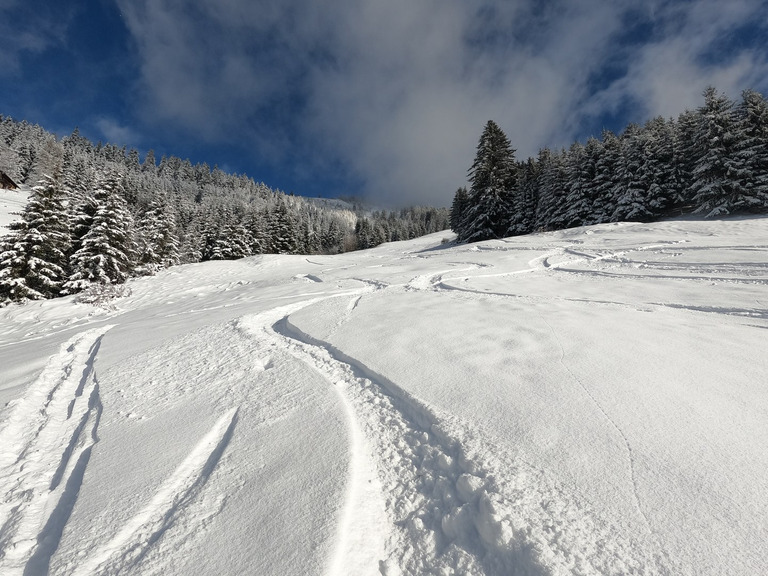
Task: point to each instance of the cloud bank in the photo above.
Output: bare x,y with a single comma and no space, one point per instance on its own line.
393,95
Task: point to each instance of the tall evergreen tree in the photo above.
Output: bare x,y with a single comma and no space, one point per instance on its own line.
752,116
106,252
580,169
492,178
158,244
283,234
33,257
605,178
718,171
685,159
458,211
553,182
525,199
657,143
631,182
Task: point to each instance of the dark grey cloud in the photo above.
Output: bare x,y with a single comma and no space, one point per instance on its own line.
397,92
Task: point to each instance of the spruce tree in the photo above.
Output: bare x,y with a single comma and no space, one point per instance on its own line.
580,169
605,178
458,211
283,234
752,152
158,244
657,143
492,178
553,182
718,170
631,182
33,257
106,251
525,199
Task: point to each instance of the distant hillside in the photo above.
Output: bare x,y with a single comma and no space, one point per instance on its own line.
155,214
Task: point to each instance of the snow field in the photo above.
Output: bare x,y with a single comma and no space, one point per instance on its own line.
588,401
460,504
188,518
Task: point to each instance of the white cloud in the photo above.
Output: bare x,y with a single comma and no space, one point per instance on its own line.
115,133
669,74
399,91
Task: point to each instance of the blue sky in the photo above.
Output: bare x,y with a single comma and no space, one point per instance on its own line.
368,97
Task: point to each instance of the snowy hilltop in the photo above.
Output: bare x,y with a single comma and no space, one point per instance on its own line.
586,401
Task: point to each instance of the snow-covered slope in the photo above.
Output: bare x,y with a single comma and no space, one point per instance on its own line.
11,203
590,401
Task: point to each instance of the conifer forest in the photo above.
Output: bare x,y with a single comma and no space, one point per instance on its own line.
712,161
99,214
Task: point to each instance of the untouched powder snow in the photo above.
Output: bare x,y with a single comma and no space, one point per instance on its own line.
588,401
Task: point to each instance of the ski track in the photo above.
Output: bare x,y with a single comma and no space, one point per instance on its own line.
130,544
455,503
47,437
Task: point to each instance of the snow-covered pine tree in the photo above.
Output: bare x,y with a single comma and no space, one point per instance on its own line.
657,144
718,171
333,237
525,199
33,257
752,115
631,181
106,252
580,169
158,244
458,211
283,236
256,222
685,159
550,210
605,178
220,241
492,178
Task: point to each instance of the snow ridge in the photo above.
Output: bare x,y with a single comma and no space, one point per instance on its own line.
47,442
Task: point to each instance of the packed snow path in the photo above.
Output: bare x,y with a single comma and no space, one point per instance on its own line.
590,401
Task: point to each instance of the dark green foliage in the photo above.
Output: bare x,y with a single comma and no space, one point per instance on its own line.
492,179
459,211
712,161
718,170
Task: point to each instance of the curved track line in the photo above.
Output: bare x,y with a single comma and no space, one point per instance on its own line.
457,504
126,548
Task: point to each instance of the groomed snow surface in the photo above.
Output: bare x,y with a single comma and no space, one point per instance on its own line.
589,401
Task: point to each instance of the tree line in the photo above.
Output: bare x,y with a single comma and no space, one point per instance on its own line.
99,214
711,161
